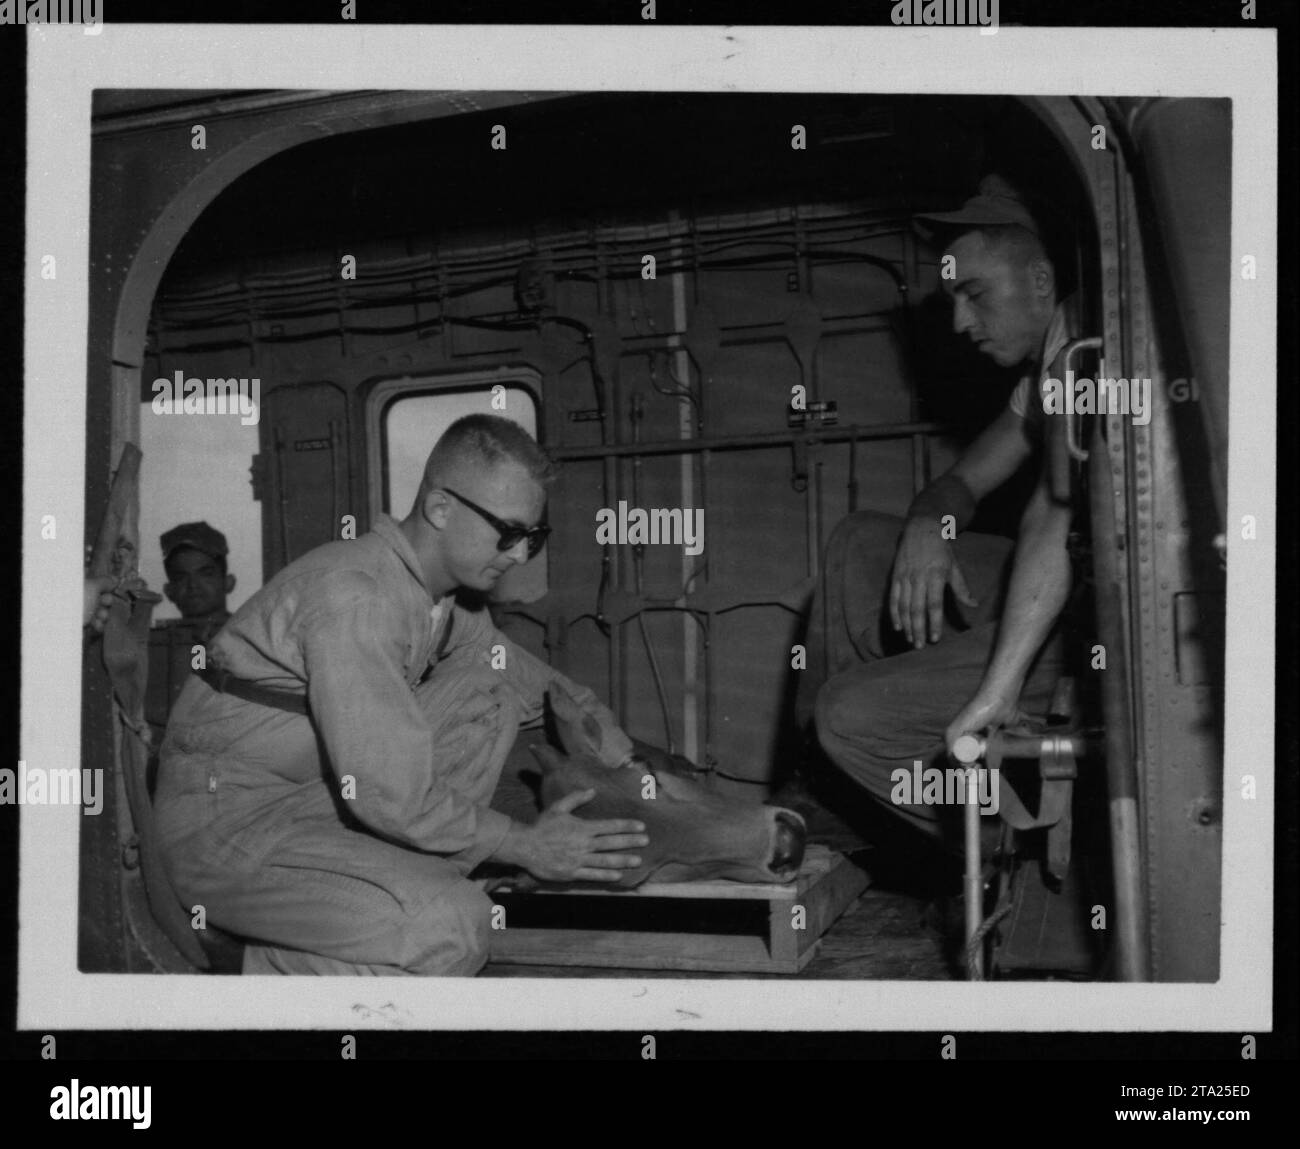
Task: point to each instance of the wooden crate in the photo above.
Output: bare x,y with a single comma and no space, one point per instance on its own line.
827,884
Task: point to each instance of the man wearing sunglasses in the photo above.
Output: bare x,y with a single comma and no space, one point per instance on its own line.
325,783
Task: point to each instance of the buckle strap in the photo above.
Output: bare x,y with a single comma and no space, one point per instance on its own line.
223,682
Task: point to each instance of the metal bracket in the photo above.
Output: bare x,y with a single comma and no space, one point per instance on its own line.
799,469
1069,353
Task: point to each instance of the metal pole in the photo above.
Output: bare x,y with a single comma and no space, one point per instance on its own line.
1125,843
753,442
973,884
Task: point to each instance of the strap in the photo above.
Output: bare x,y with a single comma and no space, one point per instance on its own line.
224,683
1058,847
126,657
1053,803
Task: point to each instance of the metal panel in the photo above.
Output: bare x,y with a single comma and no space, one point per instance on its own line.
305,436
1186,150
1180,731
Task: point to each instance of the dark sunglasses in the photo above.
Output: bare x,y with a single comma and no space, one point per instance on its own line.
510,533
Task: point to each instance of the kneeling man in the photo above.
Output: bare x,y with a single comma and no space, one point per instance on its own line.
324,785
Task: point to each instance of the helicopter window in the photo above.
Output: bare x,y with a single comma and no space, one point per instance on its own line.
198,469
413,422
409,416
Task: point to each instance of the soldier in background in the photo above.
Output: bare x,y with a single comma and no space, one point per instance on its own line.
194,557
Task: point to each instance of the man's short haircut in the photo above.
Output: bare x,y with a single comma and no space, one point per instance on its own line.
485,440
220,560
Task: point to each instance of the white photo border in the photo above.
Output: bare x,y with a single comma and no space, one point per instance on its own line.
65,66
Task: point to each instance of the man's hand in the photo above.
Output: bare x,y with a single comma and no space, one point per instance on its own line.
562,848
924,565
97,599
990,709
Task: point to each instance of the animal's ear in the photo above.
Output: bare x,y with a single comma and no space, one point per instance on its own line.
578,731
676,787
548,758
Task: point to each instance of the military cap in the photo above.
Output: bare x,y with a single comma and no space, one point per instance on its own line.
996,204
199,536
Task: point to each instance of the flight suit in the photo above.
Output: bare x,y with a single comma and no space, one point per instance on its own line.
340,842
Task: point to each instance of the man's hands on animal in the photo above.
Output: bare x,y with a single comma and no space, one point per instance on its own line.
560,847
924,565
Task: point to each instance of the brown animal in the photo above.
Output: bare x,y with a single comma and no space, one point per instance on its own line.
694,832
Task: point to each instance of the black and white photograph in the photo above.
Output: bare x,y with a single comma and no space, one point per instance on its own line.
764,531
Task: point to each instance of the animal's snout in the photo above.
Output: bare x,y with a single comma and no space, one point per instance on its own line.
787,853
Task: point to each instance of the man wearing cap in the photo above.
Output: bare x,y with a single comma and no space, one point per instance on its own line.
325,782
883,708
194,558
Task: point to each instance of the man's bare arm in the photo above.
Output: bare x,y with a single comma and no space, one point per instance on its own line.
1040,586
999,451
925,563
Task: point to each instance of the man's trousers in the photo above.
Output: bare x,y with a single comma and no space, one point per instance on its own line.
885,706
314,892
